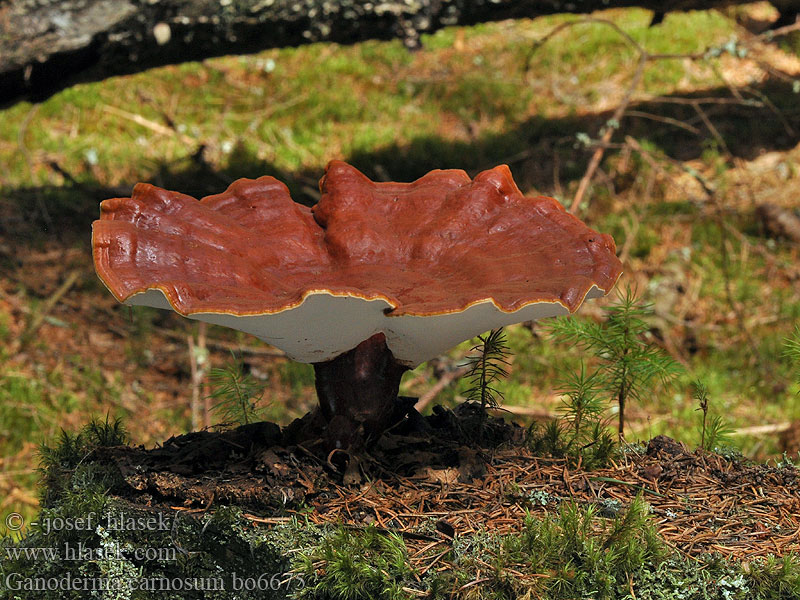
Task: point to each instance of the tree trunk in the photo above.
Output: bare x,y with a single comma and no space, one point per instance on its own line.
46,45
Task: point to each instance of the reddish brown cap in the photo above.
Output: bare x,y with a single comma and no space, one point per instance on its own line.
429,263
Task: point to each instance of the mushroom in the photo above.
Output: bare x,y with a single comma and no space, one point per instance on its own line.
373,280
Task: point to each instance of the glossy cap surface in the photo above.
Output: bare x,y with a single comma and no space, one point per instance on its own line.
429,263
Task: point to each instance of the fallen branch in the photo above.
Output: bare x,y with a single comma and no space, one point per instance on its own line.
645,57
198,363
148,124
612,124
443,382
763,429
779,222
527,411
48,305
47,46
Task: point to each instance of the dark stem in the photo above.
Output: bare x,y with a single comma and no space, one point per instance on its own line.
484,384
623,390
703,435
357,392
704,408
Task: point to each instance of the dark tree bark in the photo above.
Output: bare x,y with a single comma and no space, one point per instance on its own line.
46,45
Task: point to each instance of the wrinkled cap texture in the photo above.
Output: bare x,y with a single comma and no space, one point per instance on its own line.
428,263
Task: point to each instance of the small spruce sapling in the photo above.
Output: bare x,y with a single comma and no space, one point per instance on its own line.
700,396
629,365
715,431
237,393
487,366
582,405
582,431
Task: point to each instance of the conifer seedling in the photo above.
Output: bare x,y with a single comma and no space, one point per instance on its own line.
236,393
714,431
487,366
628,364
792,350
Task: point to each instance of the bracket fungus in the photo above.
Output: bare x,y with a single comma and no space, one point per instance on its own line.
373,280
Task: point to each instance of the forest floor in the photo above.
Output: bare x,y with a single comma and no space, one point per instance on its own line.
707,139
428,511
417,484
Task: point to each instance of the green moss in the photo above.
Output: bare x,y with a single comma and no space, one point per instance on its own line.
355,565
574,552
585,561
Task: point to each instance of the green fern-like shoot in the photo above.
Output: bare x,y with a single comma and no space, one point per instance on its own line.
582,404
792,350
700,395
237,393
715,431
718,433
486,367
629,365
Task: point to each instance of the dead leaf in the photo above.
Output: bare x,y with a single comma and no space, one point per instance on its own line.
444,476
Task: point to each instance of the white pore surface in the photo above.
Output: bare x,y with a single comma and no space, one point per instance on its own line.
324,326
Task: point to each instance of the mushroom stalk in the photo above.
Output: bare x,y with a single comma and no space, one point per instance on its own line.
357,392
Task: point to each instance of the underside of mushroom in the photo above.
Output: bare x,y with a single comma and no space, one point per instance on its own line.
373,280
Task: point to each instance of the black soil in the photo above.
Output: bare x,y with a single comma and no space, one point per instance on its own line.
264,467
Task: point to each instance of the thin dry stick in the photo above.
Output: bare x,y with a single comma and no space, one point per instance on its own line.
201,342
198,363
443,382
195,403
620,112
40,315
597,156
644,58
227,346
613,123
769,35
712,129
763,429
148,124
526,411
662,119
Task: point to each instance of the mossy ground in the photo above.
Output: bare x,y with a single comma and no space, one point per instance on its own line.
725,290
690,529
